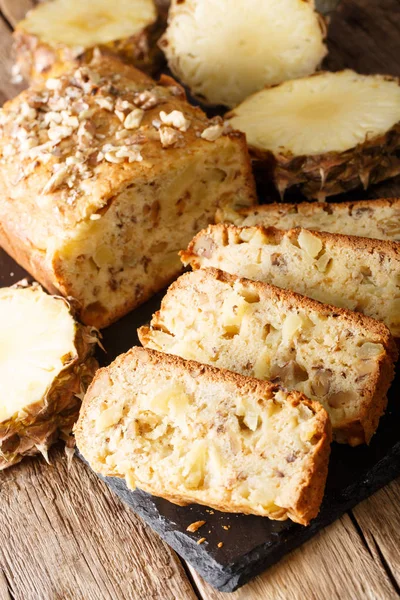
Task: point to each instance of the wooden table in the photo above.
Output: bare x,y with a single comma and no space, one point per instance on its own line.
65,536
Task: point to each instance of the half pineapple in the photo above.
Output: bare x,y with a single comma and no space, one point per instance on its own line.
57,34
327,133
46,364
224,51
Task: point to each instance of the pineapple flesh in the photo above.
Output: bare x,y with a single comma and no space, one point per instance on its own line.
60,33
46,364
326,133
225,51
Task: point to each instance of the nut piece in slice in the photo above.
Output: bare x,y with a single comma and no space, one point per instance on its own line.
46,364
192,433
377,219
225,51
347,271
325,134
104,176
341,359
57,34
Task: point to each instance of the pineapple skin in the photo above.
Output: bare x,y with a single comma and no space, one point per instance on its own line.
34,430
322,175
37,61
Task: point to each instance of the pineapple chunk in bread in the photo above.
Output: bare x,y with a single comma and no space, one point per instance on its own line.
347,271
225,51
96,169
377,219
325,134
192,433
59,34
341,359
46,363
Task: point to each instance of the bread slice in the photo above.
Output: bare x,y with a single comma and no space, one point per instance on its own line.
378,219
347,271
342,359
192,433
97,168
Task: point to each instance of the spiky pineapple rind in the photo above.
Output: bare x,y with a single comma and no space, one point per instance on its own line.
323,175
35,429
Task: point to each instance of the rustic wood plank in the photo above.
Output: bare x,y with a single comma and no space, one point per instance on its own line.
14,11
64,535
379,521
334,565
364,36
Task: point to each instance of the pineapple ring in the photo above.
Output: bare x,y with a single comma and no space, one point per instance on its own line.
225,51
88,23
328,112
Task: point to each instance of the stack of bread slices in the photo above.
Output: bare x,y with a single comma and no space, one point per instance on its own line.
283,332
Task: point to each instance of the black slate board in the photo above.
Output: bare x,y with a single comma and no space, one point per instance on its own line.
251,544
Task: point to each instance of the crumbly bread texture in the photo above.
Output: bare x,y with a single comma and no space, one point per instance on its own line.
225,51
324,134
55,36
341,359
347,271
97,168
377,219
46,364
192,433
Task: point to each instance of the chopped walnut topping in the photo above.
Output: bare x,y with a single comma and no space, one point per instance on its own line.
106,103
146,99
168,136
134,118
212,133
176,119
57,179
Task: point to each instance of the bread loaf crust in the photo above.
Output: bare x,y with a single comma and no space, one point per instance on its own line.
305,503
59,204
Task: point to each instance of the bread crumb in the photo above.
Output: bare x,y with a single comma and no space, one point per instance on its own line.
226,527
201,540
220,544
195,526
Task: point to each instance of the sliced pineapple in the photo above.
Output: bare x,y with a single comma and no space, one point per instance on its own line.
326,133
46,364
59,33
224,51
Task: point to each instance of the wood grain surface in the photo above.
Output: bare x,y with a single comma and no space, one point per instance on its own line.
64,536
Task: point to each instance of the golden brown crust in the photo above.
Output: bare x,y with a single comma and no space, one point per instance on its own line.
308,208
36,219
305,505
374,399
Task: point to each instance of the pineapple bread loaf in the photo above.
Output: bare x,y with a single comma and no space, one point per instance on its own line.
97,168
57,35
324,134
378,219
224,51
350,272
46,364
192,433
341,359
